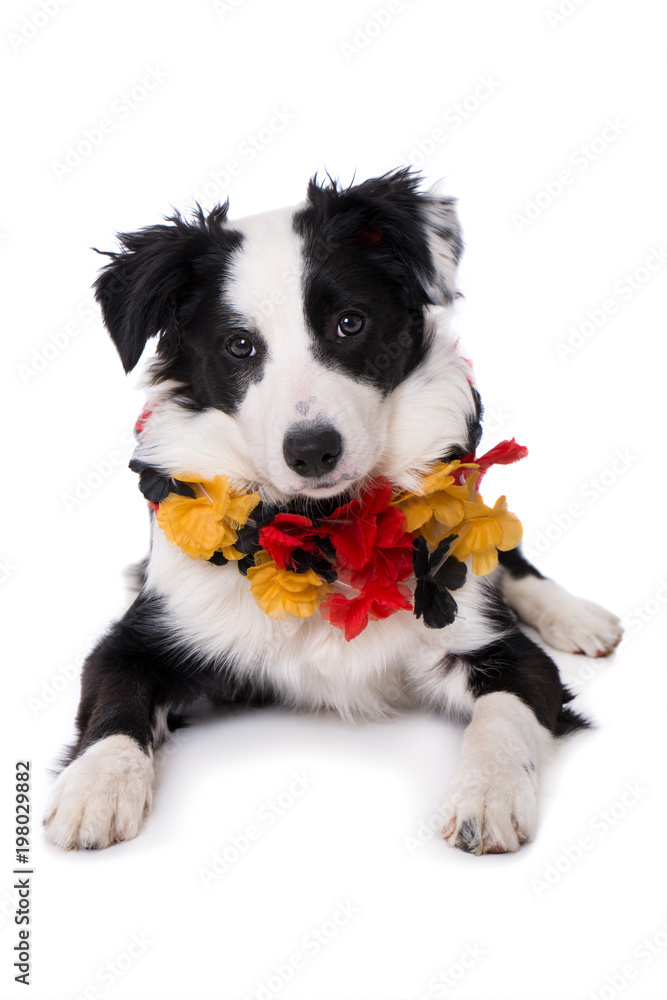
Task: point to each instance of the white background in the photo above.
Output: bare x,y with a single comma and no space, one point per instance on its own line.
593,420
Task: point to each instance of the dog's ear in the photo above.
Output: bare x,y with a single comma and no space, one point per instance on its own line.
445,245
143,286
394,219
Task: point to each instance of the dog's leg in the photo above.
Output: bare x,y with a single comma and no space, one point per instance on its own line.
491,805
512,691
518,712
563,620
105,791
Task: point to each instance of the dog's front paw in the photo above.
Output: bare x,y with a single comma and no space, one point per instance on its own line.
101,797
491,815
579,626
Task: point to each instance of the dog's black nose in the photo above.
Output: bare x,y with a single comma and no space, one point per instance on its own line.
312,451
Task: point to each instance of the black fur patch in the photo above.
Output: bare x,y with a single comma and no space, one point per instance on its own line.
366,251
474,423
517,565
137,669
517,665
166,280
469,838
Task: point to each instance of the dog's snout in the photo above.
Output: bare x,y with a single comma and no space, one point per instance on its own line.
312,451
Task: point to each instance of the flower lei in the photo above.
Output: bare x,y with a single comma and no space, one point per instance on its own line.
368,547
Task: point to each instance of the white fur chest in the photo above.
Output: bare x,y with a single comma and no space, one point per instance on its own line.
309,661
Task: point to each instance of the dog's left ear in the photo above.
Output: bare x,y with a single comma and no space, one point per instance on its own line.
425,232
443,233
413,231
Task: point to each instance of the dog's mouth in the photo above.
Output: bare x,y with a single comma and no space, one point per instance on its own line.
328,487
338,490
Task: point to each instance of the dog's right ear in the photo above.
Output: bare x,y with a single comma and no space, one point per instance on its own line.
143,286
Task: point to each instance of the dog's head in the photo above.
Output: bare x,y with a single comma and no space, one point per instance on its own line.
299,350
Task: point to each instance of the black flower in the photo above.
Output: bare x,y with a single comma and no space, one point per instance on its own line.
437,575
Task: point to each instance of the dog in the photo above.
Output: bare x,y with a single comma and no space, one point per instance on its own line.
304,353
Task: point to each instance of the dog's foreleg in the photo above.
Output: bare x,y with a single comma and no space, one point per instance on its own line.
511,692
520,707
491,805
105,790
563,620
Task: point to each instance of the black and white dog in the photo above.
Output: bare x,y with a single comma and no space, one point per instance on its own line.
302,352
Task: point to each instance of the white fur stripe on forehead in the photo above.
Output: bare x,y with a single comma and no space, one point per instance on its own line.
264,279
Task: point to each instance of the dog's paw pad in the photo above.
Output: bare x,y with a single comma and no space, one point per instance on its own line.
102,797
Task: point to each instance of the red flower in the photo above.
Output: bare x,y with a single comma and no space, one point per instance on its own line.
285,534
372,550
370,538
374,553
373,602
504,453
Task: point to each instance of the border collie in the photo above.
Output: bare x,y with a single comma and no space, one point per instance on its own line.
302,354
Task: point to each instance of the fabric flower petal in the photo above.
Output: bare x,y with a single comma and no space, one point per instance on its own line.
207,522
486,530
282,592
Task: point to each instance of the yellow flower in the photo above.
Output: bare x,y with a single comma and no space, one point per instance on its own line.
208,522
282,592
437,507
484,531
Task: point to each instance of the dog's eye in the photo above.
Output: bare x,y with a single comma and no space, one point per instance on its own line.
350,324
241,347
